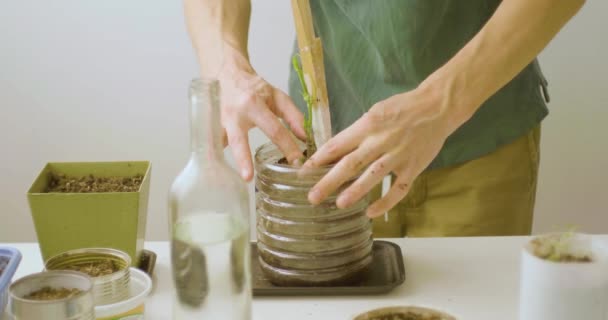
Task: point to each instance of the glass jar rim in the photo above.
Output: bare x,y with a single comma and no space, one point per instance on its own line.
269,147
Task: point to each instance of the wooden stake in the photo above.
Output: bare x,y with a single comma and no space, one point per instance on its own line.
311,55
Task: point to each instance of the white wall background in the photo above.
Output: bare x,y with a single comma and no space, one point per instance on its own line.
107,80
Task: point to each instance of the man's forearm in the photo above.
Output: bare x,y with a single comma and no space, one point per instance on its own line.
512,38
218,30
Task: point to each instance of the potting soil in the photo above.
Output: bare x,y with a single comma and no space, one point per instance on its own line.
60,183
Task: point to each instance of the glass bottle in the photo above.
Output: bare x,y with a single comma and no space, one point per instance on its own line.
209,222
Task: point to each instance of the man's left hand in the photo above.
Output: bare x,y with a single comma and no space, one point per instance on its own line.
401,134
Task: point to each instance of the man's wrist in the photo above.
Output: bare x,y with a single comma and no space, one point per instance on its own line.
453,92
235,57
231,60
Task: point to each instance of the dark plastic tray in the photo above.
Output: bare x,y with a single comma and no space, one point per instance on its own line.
147,262
386,272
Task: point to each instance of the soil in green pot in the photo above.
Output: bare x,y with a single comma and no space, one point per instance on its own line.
48,293
3,264
60,183
97,268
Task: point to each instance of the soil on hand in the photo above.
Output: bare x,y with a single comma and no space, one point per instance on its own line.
61,183
96,269
3,264
548,248
406,316
48,293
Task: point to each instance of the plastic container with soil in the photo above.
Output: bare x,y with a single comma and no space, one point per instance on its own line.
300,244
563,276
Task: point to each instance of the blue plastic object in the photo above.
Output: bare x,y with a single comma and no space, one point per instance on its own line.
14,258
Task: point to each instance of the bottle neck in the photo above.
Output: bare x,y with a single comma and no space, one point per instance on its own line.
205,124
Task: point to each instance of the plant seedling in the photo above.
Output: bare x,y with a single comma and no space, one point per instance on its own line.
558,248
312,77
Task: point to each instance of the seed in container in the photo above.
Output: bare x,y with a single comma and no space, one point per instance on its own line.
97,268
48,293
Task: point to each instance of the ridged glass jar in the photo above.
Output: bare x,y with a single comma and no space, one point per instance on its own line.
300,244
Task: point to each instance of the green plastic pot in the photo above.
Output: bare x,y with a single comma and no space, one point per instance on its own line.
67,221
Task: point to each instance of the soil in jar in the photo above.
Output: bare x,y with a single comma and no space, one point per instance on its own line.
305,157
556,248
48,293
3,264
60,183
96,269
348,279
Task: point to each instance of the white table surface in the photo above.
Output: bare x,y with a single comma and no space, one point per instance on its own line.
472,278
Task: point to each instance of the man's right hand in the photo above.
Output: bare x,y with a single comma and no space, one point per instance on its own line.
218,30
248,101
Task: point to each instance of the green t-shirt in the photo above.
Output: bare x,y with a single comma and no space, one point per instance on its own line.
376,49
